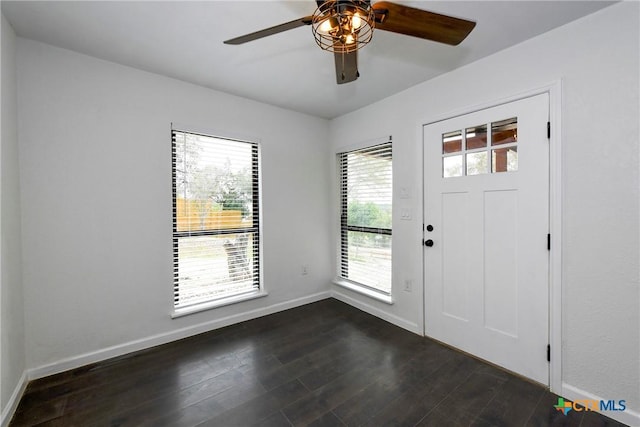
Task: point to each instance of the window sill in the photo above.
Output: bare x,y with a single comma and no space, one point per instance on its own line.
180,312
378,296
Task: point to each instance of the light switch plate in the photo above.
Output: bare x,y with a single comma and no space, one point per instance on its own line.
405,193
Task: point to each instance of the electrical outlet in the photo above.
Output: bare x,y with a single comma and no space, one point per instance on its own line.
304,269
408,284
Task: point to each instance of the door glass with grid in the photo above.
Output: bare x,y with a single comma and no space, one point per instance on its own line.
365,217
215,218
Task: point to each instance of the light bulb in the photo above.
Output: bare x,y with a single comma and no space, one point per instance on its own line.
356,21
349,39
325,27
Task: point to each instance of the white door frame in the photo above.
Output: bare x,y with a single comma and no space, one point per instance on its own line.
554,90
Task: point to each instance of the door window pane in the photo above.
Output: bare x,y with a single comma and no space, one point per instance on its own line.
477,163
505,160
452,166
504,131
476,137
452,142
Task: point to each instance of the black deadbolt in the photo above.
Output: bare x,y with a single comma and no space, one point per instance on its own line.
429,227
428,242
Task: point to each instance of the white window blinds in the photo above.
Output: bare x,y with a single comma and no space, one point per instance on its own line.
365,216
216,237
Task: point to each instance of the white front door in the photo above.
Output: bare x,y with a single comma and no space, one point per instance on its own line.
486,215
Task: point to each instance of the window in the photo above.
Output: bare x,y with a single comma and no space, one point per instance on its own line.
478,154
365,217
216,239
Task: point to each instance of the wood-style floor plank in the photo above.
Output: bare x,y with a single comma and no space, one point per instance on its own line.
323,364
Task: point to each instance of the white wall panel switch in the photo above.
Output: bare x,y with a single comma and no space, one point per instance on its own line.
405,193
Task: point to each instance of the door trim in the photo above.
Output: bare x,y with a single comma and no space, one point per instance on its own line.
554,89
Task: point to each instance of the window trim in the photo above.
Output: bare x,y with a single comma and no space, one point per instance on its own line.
339,280
363,290
220,302
259,290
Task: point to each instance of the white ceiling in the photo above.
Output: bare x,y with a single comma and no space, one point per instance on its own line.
184,40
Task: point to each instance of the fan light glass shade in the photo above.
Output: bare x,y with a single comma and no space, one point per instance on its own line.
343,26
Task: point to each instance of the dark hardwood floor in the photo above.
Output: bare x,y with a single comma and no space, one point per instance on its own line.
323,364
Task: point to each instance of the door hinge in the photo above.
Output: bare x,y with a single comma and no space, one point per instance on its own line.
548,130
548,353
548,242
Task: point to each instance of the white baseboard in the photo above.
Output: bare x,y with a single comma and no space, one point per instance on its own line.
164,338
382,314
12,404
627,416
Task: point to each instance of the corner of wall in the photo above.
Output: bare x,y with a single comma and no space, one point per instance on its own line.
12,331
382,314
12,403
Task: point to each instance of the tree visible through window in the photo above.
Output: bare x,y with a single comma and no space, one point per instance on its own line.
215,218
365,225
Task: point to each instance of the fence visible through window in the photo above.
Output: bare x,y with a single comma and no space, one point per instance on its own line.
216,237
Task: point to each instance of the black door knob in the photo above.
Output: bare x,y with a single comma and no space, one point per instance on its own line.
428,242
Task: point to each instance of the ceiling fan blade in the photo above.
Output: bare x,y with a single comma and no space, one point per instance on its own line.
420,23
346,67
271,31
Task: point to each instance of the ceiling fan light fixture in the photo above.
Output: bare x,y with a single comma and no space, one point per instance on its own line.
343,26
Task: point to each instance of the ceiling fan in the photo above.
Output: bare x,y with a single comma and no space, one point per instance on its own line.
344,26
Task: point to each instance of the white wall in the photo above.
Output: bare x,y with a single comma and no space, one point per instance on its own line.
96,203
597,60
12,348
96,217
